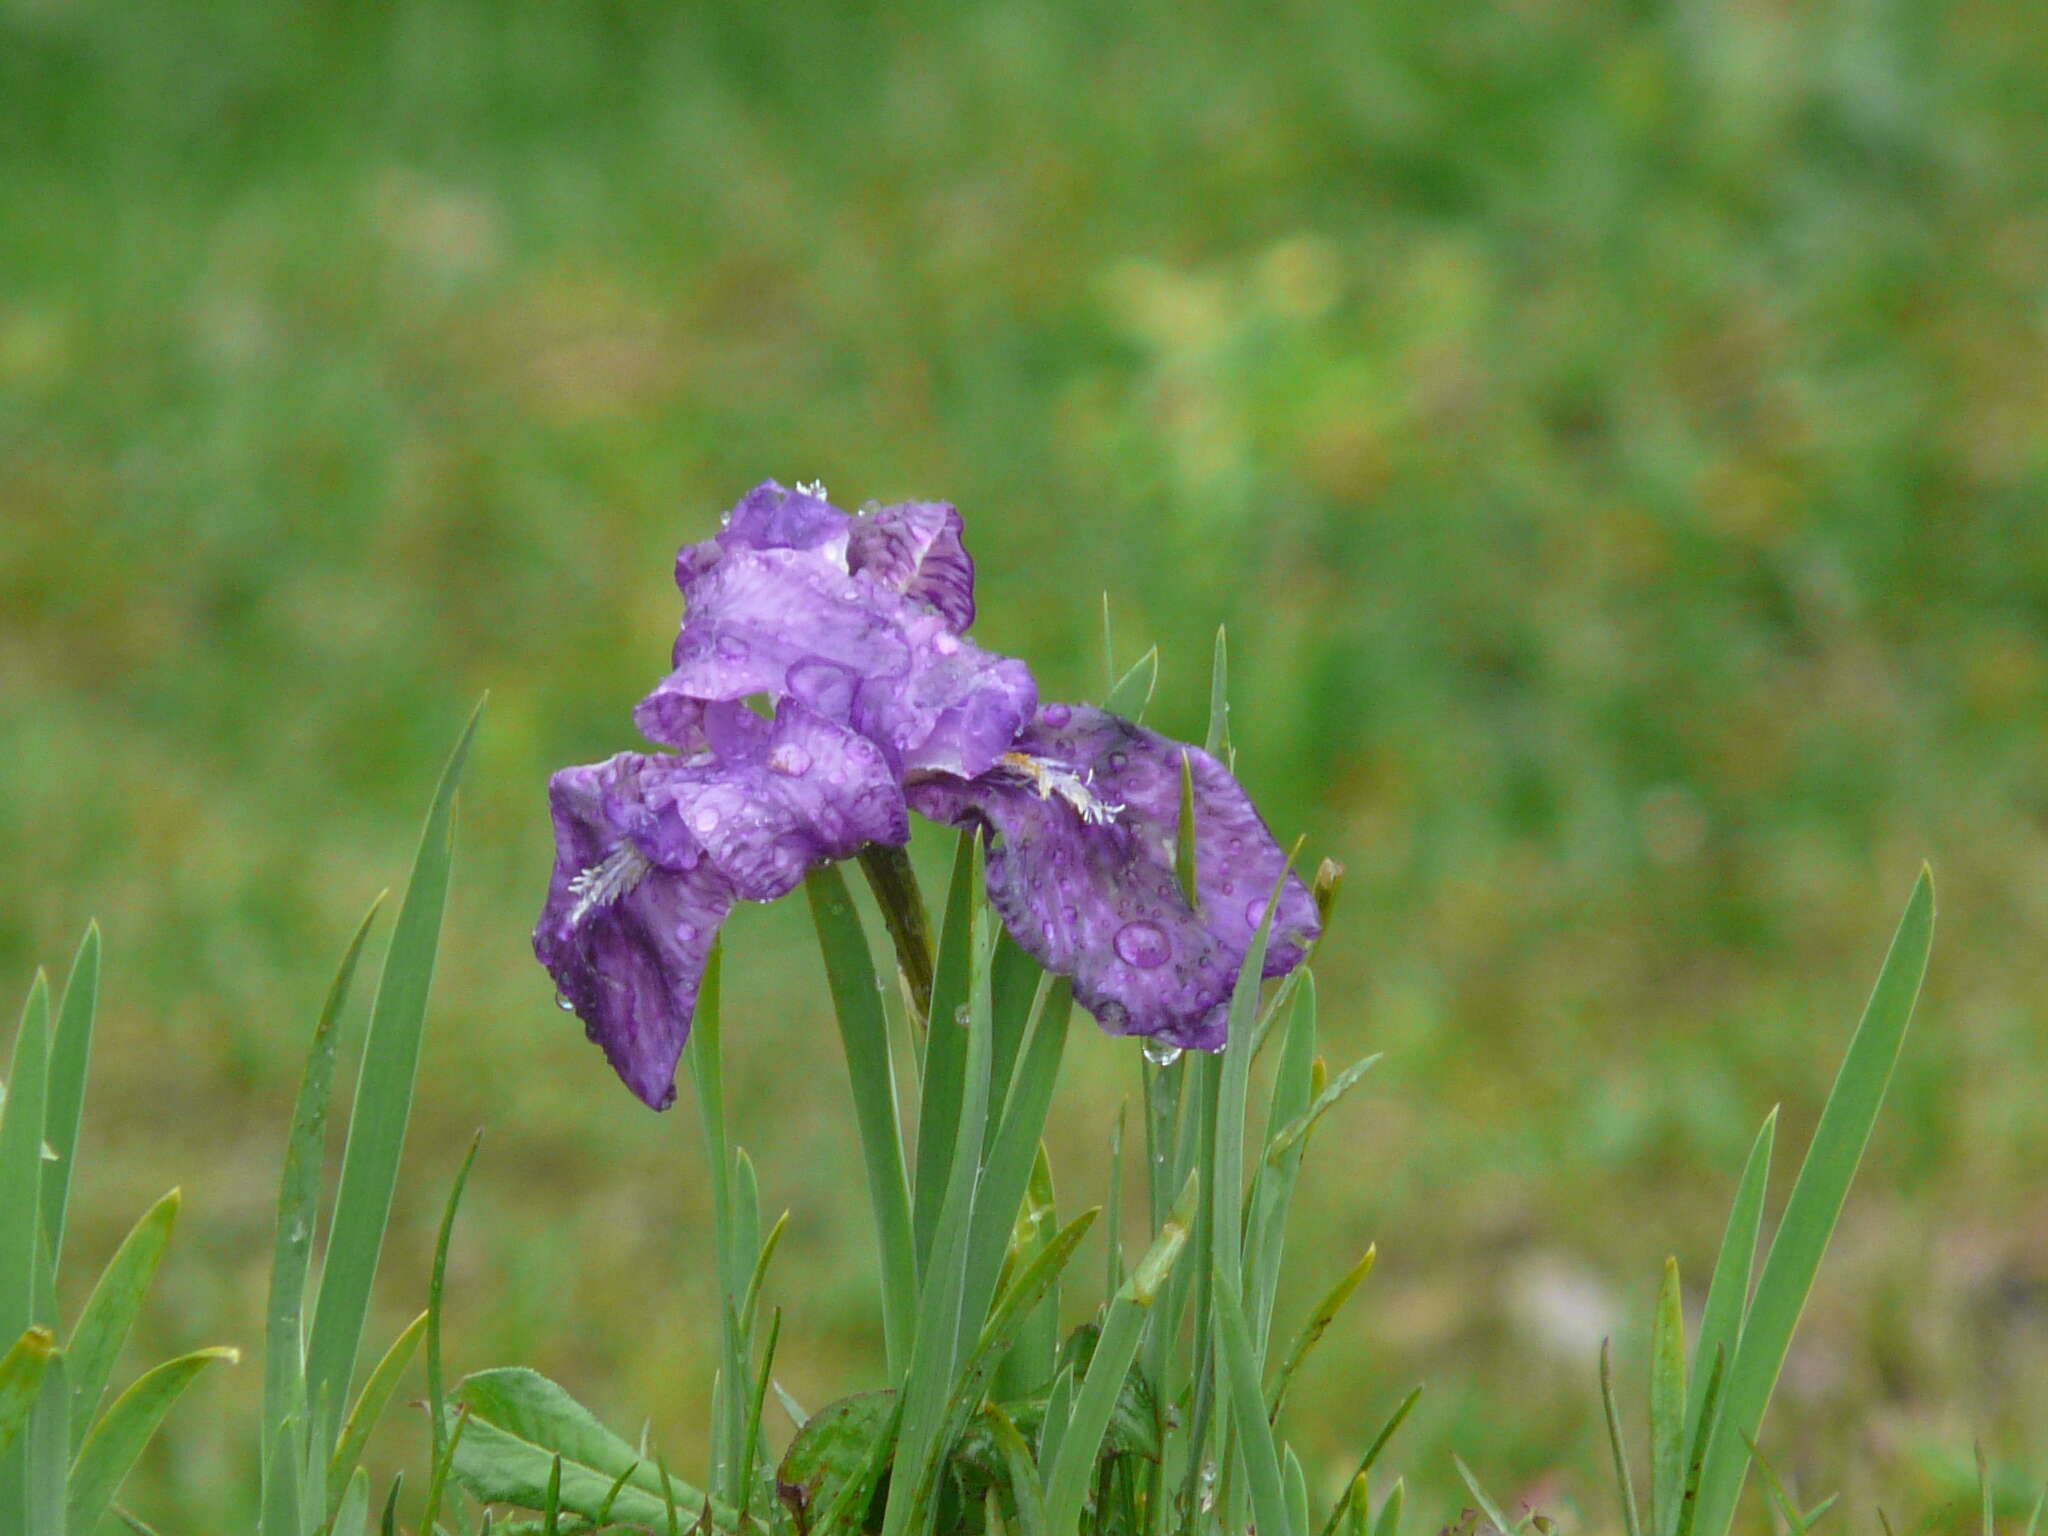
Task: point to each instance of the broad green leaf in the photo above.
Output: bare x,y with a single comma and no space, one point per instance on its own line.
520,1422
1133,691
834,1446
70,1060
1025,1493
383,1099
21,1378
1667,1405
1811,1212
864,1033
111,1310
1728,1291
371,1403
118,1439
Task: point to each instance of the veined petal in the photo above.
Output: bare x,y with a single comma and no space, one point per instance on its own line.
1085,814
652,851
914,547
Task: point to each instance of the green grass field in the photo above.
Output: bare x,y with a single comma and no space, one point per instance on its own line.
1616,438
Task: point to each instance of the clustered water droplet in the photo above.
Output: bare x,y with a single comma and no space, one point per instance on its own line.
1162,1053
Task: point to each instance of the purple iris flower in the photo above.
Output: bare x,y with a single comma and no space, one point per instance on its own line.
1083,817
851,629
651,852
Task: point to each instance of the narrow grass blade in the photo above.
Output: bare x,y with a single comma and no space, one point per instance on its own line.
759,1277
1379,1443
378,1389
1815,1204
436,1283
1113,1228
21,1378
1108,652
1354,1508
437,1476
383,1099
1486,1505
864,1032
1728,1291
945,1049
1025,1492
47,1451
1317,1325
1027,1365
353,1516
1294,1088
1294,1482
1632,1521
298,1215
110,1311
760,1401
117,1441
1217,742
1389,1522
1066,1483
70,1059
1288,1135
1689,1506
1133,691
21,1184
1248,1417
1667,1405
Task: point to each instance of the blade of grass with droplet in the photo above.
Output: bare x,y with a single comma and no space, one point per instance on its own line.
298,1214
1317,1325
118,1440
110,1311
379,1387
1133,691
1728,1291
21,1379
64,1106
1667,1405
945,1050
383,1098
864,1034
1811,1212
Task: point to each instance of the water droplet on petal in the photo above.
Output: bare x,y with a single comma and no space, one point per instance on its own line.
564,1004
790,759
732,648
1056,715
1255,912
1117,761
1143,944
685,932
962,1017
1161,1053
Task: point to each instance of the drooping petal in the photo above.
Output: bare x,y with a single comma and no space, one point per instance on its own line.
1085,814
652,851
914,547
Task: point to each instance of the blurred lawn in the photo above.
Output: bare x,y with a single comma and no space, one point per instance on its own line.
1616,437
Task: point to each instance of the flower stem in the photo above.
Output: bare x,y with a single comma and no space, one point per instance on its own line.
894,883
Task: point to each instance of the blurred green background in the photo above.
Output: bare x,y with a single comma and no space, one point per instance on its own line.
1615,435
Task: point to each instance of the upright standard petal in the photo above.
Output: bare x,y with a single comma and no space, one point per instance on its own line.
914,547
652,851
1085,816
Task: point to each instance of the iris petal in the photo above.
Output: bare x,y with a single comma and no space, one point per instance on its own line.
1085,814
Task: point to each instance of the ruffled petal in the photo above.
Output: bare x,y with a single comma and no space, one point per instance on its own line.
652,851
1085,814
771,516
914,547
